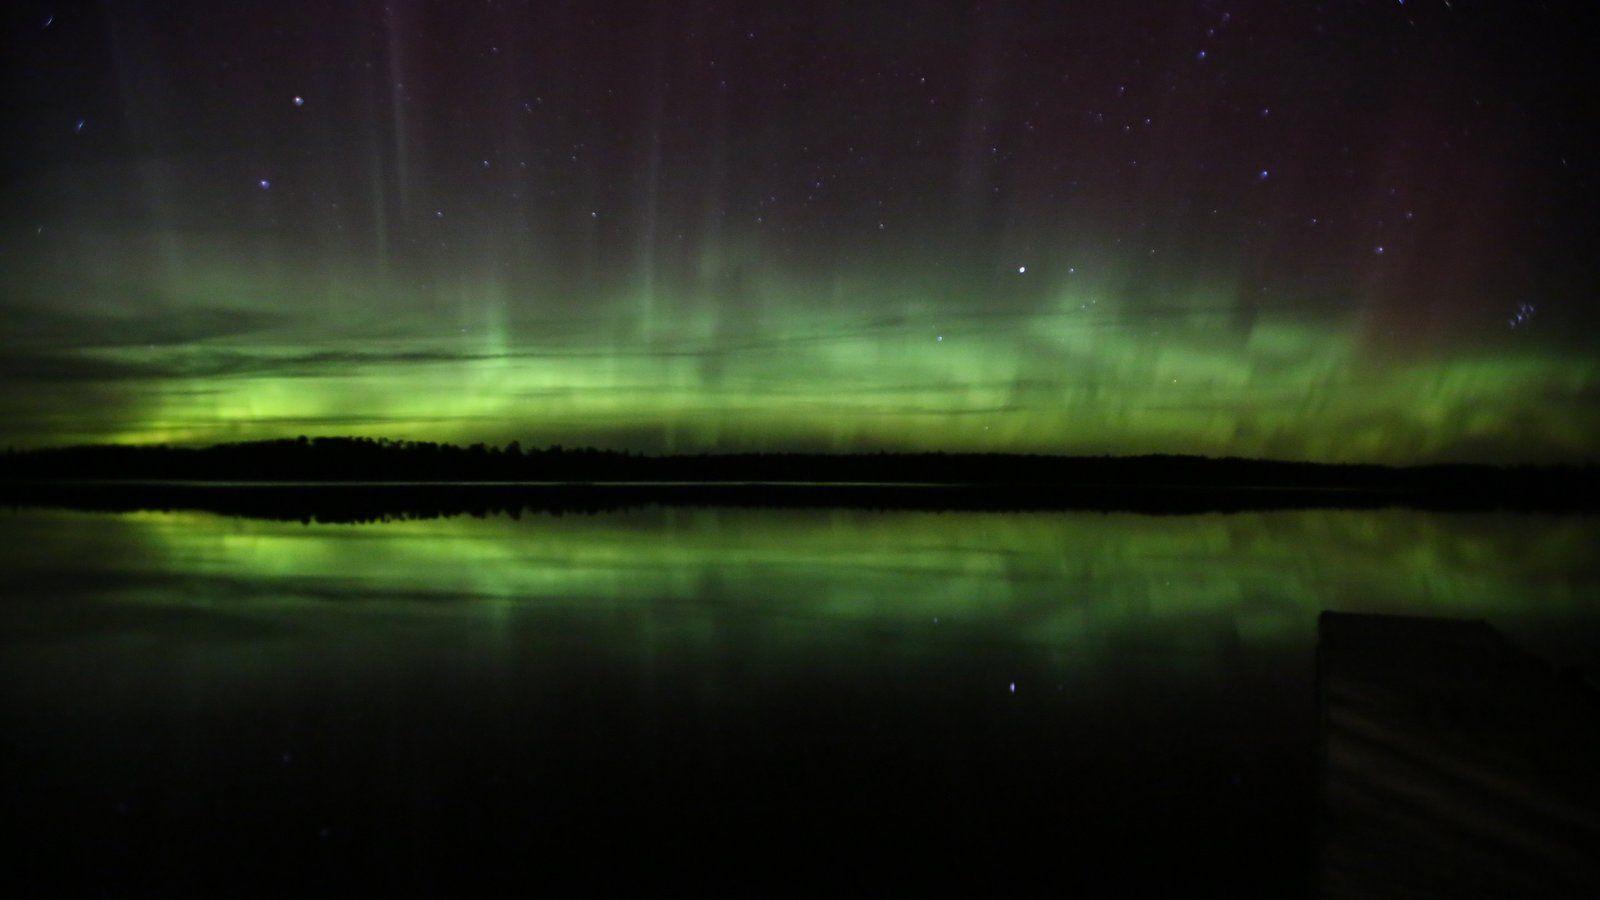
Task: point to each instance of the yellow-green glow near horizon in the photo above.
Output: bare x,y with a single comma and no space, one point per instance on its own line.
846,228
1075,371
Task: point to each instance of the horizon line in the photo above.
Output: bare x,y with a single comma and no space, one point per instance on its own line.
561,448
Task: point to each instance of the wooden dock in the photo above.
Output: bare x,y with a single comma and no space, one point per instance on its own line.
1453,764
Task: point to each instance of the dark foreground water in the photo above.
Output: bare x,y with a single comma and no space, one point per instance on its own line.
838,701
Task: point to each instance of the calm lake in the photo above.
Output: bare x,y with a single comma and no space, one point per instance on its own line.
764,700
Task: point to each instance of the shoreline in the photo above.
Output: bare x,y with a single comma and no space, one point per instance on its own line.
369,500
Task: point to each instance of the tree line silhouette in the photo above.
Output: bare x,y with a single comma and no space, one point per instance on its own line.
1017,480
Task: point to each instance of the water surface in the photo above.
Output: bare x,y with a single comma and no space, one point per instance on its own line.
773,699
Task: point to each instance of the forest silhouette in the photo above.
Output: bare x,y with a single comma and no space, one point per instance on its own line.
362,479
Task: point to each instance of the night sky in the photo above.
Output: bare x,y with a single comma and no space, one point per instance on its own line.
1346,231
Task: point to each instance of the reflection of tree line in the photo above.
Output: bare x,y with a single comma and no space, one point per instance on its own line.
890,480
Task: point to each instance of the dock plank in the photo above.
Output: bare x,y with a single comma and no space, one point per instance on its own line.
1453,764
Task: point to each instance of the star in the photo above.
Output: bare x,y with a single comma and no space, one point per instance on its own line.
810,117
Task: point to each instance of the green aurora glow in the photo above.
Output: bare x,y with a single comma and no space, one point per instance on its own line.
1007,241
1076,587
1073,370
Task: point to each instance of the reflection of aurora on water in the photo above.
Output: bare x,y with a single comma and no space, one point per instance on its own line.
420,684
1088,581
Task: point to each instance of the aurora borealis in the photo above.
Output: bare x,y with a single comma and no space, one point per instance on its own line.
1336,232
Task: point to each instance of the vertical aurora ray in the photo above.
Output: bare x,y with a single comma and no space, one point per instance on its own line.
684,232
